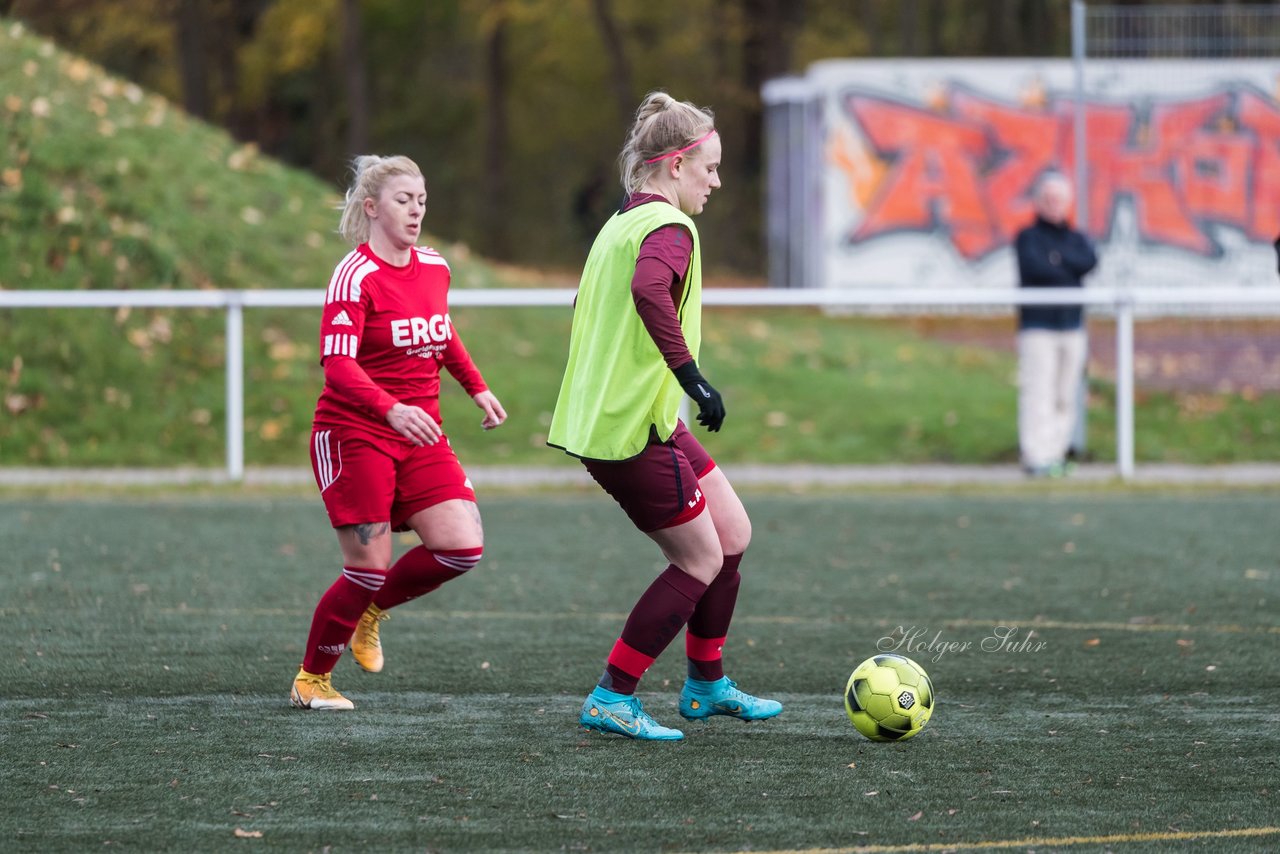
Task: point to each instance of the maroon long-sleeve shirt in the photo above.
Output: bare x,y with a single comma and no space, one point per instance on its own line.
658,283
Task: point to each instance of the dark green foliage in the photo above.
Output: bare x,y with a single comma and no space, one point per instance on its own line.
104,186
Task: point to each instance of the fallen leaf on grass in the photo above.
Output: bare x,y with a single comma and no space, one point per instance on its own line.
1093,642
916,817
241,833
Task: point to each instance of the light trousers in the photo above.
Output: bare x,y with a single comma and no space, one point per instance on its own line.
1050,370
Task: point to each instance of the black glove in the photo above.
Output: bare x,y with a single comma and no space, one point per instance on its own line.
710,404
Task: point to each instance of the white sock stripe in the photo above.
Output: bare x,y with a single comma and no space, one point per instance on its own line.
365,573
458,563
367,580
471,559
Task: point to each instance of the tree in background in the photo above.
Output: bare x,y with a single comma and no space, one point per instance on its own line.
356,78
515,108
497,143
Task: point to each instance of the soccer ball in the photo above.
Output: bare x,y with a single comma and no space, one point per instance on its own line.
889,697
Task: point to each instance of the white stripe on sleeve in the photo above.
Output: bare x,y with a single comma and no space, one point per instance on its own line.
340,274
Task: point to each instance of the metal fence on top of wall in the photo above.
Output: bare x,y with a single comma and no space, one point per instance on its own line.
1125,305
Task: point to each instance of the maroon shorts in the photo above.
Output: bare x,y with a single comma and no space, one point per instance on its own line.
659,487
363,479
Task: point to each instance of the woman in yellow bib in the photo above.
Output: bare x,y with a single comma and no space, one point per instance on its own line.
633,349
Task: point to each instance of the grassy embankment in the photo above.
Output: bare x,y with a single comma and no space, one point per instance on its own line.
103,185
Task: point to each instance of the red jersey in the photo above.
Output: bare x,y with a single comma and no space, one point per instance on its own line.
392,325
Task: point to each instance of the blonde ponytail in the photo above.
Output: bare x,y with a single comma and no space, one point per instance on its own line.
371,173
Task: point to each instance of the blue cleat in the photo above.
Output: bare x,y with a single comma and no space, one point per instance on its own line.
700,700
607,711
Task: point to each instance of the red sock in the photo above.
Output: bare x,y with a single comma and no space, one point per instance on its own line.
654,622
337,614
709,623
420,571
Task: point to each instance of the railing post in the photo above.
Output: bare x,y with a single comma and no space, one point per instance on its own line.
235,386
1079,56
1124,386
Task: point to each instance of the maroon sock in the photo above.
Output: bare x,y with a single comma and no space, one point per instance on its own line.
337,614
420,571
709,625
654,622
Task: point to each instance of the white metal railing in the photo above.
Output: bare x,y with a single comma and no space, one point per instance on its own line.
1125,302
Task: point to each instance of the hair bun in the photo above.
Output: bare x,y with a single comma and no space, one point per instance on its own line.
662,124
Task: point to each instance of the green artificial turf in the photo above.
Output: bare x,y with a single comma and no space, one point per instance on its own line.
153,640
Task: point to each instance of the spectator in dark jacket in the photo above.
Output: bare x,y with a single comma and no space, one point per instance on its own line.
1051,339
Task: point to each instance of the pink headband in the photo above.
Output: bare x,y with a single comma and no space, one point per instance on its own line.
678,151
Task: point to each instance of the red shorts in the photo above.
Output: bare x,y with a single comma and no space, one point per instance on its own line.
659,487
363,479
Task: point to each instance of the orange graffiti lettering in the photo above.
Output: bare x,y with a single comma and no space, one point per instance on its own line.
966,168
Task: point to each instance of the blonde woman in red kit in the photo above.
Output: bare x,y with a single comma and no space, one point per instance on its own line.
380,456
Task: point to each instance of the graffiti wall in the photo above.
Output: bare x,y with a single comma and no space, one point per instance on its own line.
928,168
